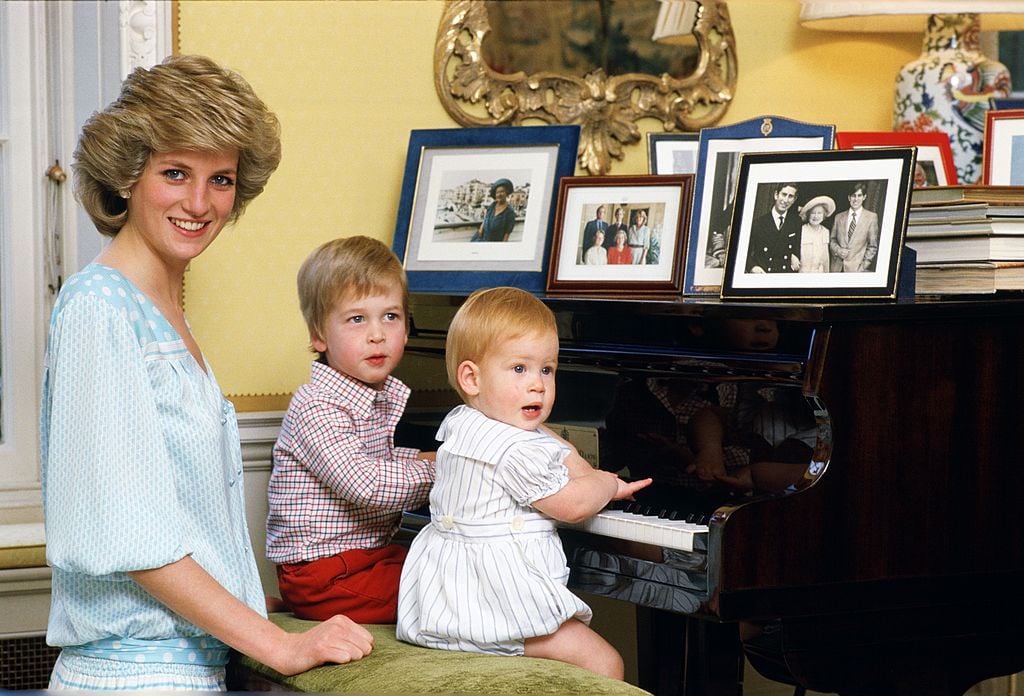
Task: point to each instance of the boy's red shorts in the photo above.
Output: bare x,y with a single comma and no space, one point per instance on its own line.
362,584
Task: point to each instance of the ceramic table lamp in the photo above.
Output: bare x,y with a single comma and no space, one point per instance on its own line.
948,87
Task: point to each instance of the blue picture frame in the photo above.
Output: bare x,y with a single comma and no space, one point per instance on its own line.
448,178
1004,103
718,155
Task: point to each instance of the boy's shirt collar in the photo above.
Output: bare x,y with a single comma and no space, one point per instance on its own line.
359,396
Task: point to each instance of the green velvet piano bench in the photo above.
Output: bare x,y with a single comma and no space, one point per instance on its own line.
399,668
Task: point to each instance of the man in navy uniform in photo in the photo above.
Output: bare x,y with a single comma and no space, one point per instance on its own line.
775,236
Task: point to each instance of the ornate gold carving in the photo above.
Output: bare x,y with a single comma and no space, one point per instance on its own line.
606,108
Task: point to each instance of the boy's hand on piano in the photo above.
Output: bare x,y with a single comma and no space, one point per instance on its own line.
628,488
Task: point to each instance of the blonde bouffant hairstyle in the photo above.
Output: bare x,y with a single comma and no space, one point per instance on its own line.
187,102
489,317
356,266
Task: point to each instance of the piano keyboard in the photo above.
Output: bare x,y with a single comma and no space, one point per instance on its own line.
630,526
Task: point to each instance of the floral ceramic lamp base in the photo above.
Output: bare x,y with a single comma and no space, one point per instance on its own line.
948,89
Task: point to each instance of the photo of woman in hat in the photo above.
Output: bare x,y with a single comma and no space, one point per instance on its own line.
499,218
814,236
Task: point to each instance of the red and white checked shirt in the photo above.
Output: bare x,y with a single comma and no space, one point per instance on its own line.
339,482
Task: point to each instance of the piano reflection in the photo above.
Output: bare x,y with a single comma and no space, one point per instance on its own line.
837,487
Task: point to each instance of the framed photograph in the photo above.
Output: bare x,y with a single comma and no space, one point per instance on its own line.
620,234
715,187
477,205
672,153
1006,103
1003,149
934,155
819,225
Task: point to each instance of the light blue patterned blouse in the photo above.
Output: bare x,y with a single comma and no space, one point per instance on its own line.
141,465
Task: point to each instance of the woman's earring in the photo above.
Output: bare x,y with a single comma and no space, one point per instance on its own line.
125,193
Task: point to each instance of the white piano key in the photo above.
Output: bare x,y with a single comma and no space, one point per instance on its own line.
673,534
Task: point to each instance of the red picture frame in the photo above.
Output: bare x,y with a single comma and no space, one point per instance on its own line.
1000,159
934,153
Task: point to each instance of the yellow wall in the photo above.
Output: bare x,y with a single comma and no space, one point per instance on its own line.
349,80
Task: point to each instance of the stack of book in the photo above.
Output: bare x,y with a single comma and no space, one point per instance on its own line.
968,238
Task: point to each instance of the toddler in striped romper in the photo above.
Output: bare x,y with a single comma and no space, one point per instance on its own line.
488,574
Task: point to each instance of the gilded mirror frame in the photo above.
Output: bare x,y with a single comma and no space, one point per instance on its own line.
605,107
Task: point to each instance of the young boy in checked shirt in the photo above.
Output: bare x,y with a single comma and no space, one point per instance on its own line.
339,484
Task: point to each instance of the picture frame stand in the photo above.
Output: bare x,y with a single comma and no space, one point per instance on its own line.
906,283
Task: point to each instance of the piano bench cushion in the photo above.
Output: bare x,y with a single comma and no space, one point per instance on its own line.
396,667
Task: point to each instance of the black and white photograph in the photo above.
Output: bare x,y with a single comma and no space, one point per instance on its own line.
614,234
826,224
715,187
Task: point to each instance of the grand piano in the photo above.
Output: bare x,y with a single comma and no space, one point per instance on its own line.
891,562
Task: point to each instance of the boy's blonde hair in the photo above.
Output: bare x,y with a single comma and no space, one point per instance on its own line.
358,265
489,317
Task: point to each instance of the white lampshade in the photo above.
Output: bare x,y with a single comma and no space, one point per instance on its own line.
906,15
949,87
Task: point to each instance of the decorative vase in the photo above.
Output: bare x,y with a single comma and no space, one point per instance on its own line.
948,89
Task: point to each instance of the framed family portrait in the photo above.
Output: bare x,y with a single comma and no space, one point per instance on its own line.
715,187
672,153
1003,149
819,225
620,235
477,205
934,166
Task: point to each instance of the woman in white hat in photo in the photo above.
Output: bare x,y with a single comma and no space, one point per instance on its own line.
814,254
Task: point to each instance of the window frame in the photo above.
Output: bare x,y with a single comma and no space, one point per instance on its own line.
61,61
22,298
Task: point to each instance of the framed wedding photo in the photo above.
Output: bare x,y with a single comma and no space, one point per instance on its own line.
819,225
1003,149
477,205
934,154
715,186
672,153
619,235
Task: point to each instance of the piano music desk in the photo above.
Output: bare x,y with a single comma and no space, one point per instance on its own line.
396,667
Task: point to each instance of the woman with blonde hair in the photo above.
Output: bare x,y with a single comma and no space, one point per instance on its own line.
153,572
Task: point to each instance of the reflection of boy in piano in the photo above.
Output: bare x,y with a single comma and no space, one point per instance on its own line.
488,574
773,424
701,435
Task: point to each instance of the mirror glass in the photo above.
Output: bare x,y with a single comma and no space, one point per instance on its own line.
580,36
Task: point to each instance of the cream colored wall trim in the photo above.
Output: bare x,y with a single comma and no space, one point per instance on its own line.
24,602
258,432
145,33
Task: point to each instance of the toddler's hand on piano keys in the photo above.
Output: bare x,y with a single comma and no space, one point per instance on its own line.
628,488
